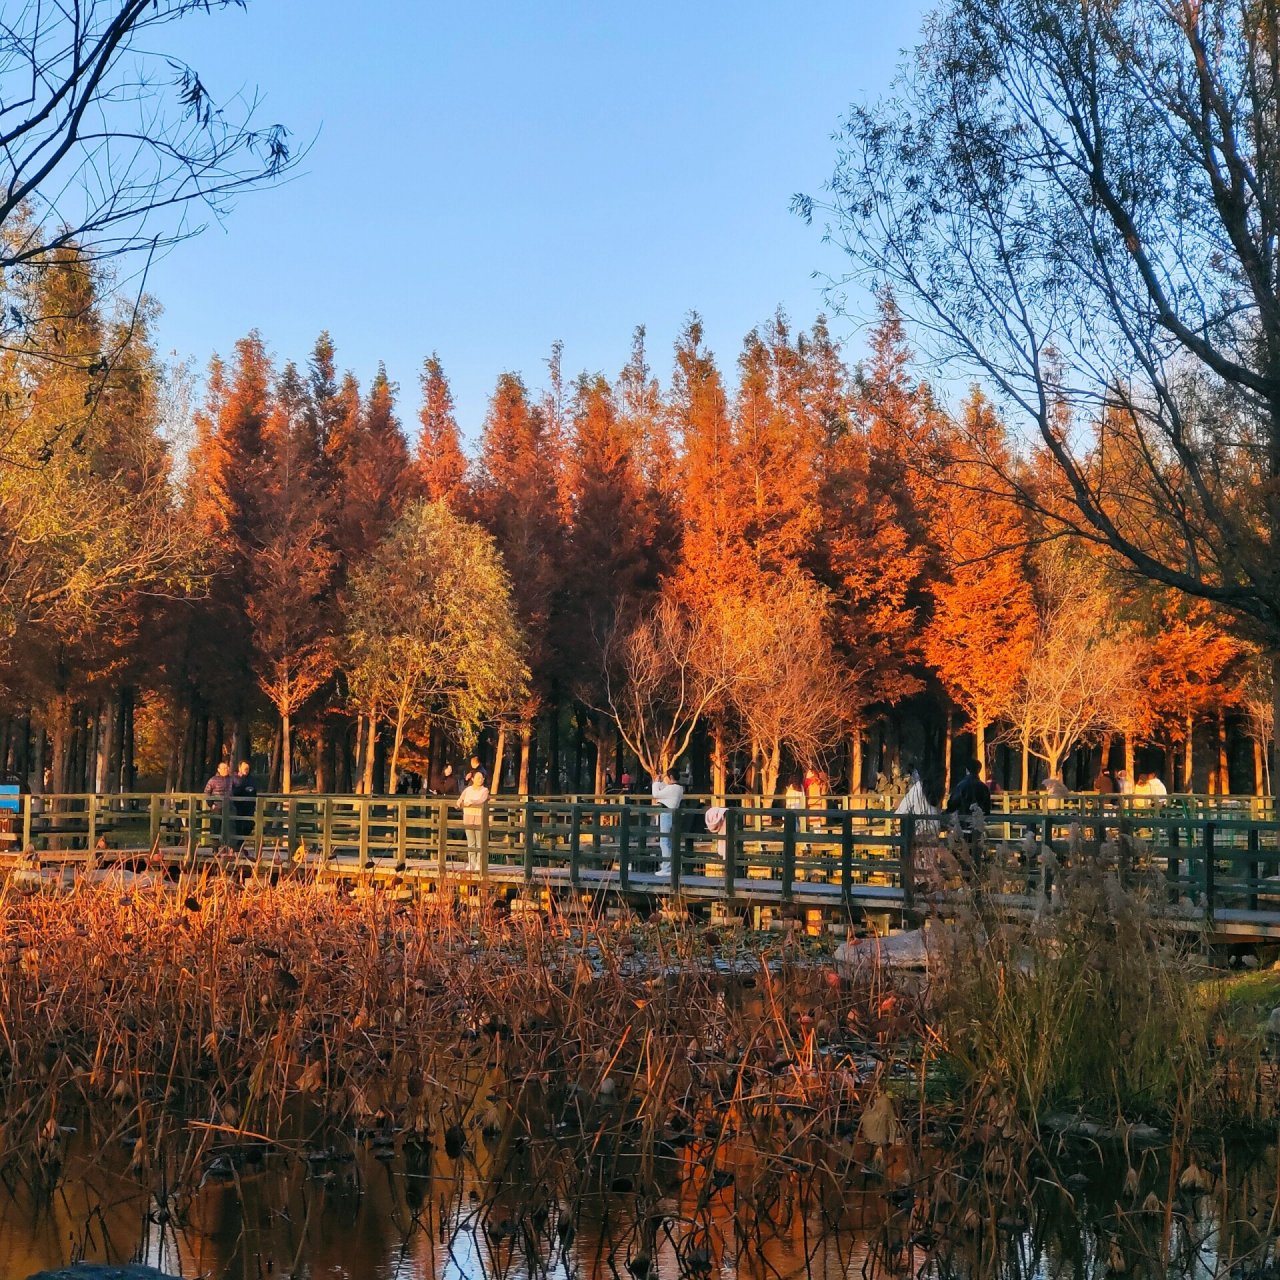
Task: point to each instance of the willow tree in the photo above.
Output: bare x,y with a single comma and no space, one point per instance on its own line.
431,632
1081,203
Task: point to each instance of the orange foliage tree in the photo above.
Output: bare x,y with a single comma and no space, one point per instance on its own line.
982,625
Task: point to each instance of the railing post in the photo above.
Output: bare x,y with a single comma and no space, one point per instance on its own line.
196,814
402,834
528,841
326,832
363,839
291,824
91,833
907,866
575,843
788,852
846,859
732,843
484,845
442,838
677,851
153,819
26,823
258,823
624,846
1253,868
224,837
1210,873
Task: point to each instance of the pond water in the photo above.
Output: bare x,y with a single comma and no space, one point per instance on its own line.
372,1212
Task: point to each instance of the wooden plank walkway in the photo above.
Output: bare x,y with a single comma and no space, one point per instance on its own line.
1221,865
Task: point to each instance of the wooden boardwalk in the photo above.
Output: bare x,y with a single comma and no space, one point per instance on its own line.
1220,862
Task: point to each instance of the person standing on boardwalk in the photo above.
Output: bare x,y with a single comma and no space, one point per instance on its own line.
668,793
245,790
221,784
473,801
969,791
445,783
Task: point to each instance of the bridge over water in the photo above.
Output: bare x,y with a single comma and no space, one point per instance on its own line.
1218,856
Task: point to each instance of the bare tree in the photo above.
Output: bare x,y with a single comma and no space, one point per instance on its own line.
104,135
1082,675
780,674
658,682
1081,202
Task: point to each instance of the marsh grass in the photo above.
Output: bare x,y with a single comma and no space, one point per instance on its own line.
1096,999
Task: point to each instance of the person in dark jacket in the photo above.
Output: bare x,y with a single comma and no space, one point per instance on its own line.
445,783
221,784
245,791
969,791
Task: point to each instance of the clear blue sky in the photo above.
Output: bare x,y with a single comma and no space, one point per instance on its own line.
489,177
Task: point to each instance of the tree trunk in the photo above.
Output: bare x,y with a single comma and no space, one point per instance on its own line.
772,765
1129,757
719,765
499,759
554,784
392,782
980,742
1224,770
286,753
855,761
1257,769
1188,754
948,753
526,736
367,759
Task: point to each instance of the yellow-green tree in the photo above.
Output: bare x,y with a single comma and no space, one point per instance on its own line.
430,628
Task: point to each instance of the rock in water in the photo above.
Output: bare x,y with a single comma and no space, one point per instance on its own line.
1273,1022
96,1271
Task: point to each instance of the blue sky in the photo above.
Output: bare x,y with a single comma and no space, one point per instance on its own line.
487,178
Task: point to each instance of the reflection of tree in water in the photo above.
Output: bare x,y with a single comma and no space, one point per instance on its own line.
716,1204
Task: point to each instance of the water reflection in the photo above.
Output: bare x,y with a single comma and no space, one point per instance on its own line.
418,1213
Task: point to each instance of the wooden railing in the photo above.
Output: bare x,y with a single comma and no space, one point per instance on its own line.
1217,862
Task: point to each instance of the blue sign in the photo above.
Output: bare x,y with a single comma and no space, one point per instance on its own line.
10,798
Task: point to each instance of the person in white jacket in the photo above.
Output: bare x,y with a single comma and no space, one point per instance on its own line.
473,801
668,793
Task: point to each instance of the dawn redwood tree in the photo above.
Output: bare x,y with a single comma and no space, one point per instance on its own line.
714,557
440,463
776,452
712,547
613,543
647,423
291,565
1189,671
982,623
1079,202
516,497
431,633
368,466
226,505
873,553
369,457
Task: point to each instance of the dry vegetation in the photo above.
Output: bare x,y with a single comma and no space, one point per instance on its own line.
200,1024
